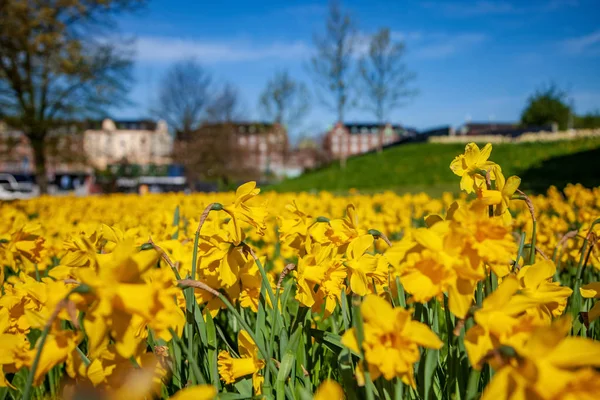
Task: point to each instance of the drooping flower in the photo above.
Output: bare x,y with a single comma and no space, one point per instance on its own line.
592,291
240,211
231,369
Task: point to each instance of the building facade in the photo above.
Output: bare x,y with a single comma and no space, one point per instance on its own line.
64,152
139,142
257,147
345,140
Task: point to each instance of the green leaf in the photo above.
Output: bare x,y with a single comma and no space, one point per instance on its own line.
284,371
331,339
244,388
473,385
212,349
426,373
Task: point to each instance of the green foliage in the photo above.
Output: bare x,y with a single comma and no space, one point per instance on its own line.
588,121
425,166
547,105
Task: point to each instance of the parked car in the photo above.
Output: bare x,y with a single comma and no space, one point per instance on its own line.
11,189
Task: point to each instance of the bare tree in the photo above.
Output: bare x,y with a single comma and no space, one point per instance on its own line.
183,97
332,63
56,63
213,153
226,105
384,79
284,100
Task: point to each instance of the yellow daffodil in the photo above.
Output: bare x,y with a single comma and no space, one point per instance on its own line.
544,365
470,164
392,340
362,266
240,211
501,196
231,369
592,291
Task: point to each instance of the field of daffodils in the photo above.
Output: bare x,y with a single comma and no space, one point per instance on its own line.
493,294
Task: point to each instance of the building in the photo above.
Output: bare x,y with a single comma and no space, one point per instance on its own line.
345,140
257,147
64,152
305,156
137,142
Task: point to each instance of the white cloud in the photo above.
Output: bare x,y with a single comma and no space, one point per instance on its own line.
166,49
435,46
587,44
428,45
159,49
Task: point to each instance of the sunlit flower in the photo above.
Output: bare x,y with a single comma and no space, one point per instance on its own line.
392,340
470,164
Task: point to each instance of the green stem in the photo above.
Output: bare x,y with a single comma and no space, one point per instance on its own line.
36,361
248,329
272,337
533,242
521,247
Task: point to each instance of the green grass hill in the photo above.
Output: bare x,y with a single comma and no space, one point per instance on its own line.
425,167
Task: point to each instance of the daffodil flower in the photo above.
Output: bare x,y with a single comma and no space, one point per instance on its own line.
470,165
392,340
362,266
240,211
545,365
231,369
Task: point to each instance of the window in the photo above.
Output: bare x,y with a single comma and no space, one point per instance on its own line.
354,148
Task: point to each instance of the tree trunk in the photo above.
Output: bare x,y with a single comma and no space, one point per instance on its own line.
39,156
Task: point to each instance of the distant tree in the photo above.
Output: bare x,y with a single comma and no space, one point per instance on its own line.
284,100
332,64
590,120
225,106
384,79
183,97
549,104
212,153
56,63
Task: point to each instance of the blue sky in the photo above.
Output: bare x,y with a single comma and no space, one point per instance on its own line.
475,60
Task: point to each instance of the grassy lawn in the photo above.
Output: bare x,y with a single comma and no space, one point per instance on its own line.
425,167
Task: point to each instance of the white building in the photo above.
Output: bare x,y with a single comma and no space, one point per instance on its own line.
134,142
